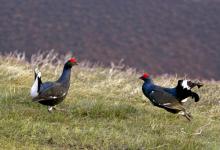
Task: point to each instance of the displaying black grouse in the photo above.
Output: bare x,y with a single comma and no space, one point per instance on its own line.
52,93
183,90
170,99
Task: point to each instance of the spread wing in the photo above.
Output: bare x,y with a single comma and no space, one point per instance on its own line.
166,101
50,91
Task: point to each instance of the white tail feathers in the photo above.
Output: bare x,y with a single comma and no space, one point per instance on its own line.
34,88
185,85
184,100
39,75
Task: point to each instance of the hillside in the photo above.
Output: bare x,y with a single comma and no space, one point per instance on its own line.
157,36
105,109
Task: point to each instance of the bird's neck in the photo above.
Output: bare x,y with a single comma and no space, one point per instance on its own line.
148,81
65,76
147,86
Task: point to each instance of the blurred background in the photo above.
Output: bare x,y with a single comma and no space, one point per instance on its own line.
161,37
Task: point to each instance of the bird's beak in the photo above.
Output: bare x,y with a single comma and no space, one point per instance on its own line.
76,63
141,77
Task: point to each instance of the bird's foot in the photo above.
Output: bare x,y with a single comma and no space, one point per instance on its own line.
187,115
59,109
50,108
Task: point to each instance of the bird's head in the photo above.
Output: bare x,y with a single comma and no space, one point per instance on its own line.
71,62
144,76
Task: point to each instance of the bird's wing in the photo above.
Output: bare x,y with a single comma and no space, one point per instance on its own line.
165,100
51,91
46,85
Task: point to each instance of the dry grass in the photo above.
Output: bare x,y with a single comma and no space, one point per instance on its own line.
105,109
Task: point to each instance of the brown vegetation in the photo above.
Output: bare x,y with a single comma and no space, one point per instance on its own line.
160,37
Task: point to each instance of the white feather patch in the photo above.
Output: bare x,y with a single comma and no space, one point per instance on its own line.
184,100
36,70
185,85
50,108
39,74
54,97
34,89
165,104
181,113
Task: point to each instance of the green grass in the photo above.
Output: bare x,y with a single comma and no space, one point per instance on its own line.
105,109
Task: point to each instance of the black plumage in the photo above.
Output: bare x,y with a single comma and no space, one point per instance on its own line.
169,99
183,93
52,93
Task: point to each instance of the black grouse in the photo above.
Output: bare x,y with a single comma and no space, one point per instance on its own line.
52,93
170,99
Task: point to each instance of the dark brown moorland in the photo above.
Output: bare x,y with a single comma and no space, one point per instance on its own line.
158,36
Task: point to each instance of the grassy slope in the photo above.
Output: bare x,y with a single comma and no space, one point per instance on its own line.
105,109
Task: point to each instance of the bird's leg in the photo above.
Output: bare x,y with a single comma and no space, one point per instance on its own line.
188,116
185,114
54,107
50,108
